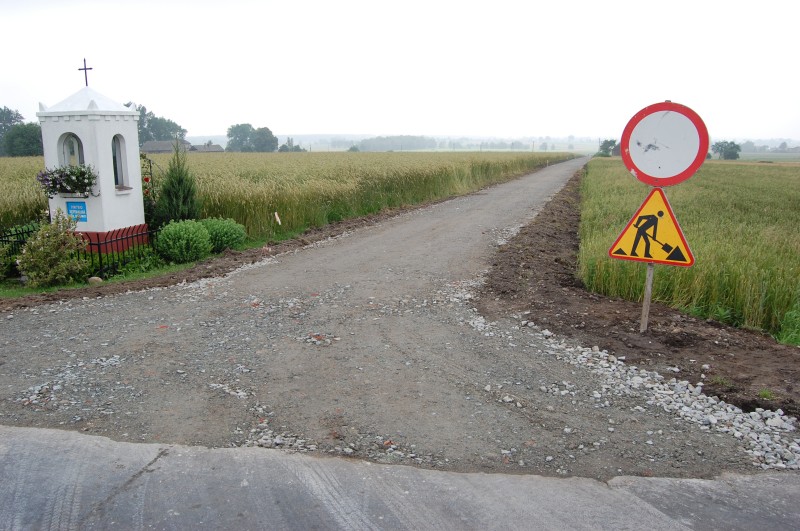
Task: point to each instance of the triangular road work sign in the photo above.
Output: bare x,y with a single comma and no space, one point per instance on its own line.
653,235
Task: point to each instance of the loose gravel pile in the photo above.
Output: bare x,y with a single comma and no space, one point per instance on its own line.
769,437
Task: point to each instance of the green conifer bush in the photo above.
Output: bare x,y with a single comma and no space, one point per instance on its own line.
177,196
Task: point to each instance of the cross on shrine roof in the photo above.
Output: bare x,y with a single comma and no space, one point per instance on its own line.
85,73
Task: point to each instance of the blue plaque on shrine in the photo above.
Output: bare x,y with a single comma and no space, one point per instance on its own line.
76,210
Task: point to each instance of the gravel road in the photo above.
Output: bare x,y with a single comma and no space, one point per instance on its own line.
369,345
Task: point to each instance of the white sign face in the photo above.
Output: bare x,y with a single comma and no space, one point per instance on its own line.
664,144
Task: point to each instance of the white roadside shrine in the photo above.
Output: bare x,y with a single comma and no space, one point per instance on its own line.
89,128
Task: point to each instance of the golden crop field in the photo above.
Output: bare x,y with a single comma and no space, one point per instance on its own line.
741,222
313,189
306,189
23,200
740,219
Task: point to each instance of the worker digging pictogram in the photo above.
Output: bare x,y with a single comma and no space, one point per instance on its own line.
653,235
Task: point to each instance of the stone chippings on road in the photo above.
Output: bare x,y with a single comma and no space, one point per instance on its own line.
83,384
766,436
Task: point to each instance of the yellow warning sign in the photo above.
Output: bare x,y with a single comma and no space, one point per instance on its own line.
653,235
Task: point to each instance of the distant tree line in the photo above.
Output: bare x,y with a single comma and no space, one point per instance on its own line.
17,138
397,143
20,139
290,147
724,149
750,147
152,127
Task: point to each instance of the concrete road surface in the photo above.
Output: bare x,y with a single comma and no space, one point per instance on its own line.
55,479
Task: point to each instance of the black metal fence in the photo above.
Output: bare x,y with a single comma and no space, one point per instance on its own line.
107,252
15,238
111,250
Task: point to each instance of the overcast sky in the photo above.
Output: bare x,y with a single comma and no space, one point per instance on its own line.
497,68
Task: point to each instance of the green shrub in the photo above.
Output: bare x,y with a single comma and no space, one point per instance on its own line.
52,255
9,251
6,261
142,260
790,327
183,241
224,233
177,195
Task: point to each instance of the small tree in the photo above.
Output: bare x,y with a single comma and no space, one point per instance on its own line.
244,137
264,141
726,150
177,195
606,147
240,138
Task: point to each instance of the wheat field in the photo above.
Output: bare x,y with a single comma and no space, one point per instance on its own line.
305,189
740,220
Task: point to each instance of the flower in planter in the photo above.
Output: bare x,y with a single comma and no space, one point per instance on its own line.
72,179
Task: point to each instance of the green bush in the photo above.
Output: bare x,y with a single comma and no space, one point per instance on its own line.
224,233
183,241
140,261
790,327
52,256
9,251
177,195
6,261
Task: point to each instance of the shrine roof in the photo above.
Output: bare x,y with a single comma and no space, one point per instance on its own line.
86,99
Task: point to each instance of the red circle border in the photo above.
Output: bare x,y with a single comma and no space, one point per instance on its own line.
702,151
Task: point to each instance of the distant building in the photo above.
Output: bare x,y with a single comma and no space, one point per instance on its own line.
163,146
167,146
208,147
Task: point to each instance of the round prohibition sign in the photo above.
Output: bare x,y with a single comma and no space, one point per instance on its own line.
664,144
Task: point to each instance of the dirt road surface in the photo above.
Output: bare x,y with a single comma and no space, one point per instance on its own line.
369,345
